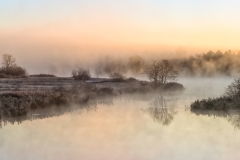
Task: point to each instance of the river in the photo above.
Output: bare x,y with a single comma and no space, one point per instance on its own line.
153,127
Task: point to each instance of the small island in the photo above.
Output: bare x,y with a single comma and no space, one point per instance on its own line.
22,94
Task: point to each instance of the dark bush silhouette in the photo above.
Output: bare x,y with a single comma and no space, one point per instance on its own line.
13,72
161,72
81,74
10,69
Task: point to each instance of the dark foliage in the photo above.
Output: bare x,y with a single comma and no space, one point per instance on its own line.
222,103
161,72
231,99
13,72
81,74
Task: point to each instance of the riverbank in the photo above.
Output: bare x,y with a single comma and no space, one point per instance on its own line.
229,101
33,84
19,96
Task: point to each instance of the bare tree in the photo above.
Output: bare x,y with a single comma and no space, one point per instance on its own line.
161,72
10,68
233,90
8,61
166,71
153,72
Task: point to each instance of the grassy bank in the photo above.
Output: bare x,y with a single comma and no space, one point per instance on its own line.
230,99
34,94
21,103
222,103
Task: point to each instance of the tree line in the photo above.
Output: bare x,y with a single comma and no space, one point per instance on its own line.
205,64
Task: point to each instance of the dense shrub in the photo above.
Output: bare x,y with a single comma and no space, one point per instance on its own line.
81,74
2,75
13,72
222,103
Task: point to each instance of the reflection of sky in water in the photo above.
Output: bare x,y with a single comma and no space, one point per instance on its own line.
124,131
121,131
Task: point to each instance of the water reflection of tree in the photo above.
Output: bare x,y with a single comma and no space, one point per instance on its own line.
54,111
160,112
235,121
232,117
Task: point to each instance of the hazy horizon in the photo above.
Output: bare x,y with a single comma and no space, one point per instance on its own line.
45,35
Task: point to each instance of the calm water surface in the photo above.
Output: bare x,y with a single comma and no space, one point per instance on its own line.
127,128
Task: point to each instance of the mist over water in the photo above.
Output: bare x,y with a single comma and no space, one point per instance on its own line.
158,126
119,80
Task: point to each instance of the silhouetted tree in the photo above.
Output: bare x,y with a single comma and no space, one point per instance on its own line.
153,72
8,61
233,90
10,68
166,71
161,72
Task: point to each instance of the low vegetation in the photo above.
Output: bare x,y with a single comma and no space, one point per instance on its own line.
81,74
161,72
20,103
10,69
230,100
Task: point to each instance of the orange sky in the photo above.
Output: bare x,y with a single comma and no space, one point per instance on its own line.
64,29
